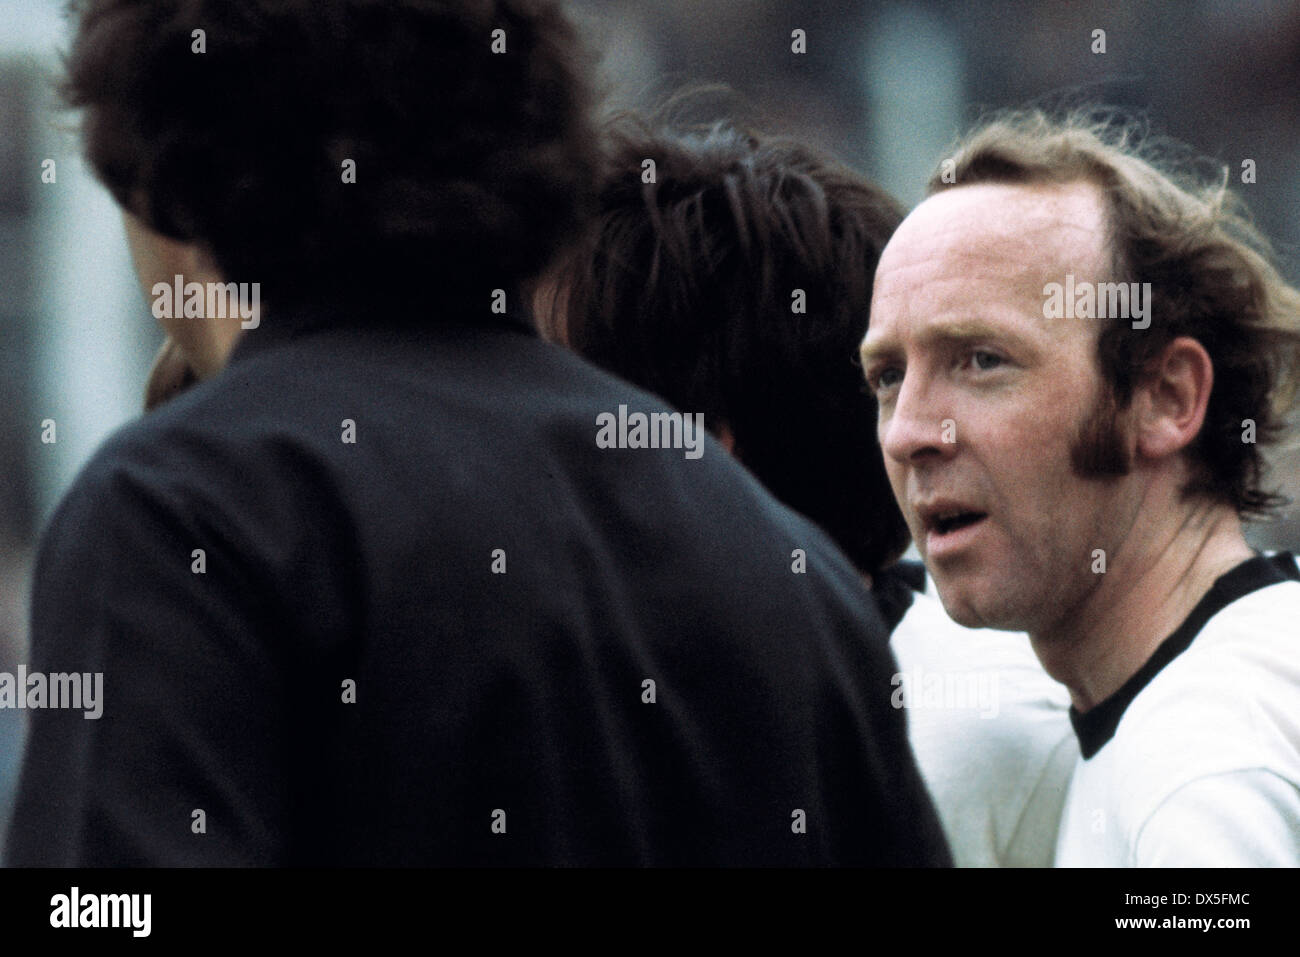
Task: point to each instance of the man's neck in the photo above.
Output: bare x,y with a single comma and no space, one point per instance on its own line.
1149,589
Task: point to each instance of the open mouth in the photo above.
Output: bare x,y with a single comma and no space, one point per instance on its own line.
954,521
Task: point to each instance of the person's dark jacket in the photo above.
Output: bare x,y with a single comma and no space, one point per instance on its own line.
310,659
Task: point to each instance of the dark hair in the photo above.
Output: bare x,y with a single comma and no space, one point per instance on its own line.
1210,274
685,285
471,167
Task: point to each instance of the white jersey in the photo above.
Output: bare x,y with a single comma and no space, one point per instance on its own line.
1195,762
991,734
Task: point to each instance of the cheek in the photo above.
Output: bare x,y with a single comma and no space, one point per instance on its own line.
1041,427
1024,455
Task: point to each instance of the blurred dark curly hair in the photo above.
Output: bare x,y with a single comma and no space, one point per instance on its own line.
684,286
472,167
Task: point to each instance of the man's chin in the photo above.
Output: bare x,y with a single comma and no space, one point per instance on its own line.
963,614
972,610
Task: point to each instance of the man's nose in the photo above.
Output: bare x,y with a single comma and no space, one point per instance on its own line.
918,427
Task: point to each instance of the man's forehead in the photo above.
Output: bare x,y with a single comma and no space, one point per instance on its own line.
986,252
1047,225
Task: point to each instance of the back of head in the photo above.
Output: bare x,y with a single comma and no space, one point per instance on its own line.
341,148
731,274
1178,227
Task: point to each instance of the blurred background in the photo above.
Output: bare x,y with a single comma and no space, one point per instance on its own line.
885,85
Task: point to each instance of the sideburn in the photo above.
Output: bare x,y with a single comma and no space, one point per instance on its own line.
1099,450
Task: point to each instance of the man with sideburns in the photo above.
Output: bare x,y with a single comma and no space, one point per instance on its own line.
1083,475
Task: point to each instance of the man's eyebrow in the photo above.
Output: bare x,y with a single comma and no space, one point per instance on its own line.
958,331
875,351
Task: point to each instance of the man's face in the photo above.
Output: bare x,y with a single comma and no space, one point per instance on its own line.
982,399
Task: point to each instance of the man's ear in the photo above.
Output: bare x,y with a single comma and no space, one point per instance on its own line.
726,437
1171,398
171,375
547,295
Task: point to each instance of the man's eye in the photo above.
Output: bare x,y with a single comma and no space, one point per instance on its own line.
886,378
984,361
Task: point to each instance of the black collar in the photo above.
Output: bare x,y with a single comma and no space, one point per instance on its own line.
1097,726
431,314
893,588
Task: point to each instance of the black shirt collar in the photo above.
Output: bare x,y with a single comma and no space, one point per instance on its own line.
1097,726
427,313
893,588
